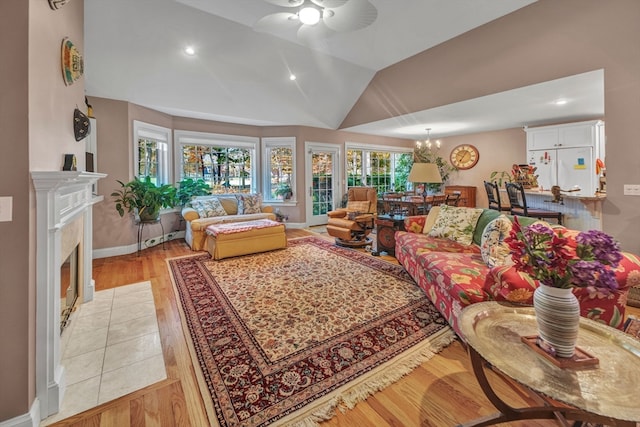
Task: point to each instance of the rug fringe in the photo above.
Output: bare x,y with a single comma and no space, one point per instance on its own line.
386,376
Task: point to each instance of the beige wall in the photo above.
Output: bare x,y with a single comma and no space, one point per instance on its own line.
546,40
36,118
498,150
16,282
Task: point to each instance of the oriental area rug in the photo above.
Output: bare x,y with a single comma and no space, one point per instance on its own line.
289,336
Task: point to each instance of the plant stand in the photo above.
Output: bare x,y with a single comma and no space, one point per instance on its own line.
141,224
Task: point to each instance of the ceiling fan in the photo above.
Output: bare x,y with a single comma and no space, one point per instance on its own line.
313,18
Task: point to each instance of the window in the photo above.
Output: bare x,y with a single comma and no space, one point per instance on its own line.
225,162
376,166
279,164
151,152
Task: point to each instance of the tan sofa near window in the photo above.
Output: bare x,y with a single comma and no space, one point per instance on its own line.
195,234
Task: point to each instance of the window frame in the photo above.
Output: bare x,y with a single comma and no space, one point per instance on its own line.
278,142
160,134
185,137
367,149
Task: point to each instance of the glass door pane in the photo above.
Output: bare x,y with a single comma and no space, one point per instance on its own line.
321,181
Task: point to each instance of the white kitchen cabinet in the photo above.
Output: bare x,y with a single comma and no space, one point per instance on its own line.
566,155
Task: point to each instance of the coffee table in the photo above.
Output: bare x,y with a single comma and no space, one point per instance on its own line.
608,393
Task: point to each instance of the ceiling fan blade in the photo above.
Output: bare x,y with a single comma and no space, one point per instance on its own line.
286,3
354,15
313,34
277,23
330,4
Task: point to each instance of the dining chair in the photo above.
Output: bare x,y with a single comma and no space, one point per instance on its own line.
493,196
453,199
518,201
437,200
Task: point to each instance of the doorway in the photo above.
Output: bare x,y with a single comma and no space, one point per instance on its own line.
322,179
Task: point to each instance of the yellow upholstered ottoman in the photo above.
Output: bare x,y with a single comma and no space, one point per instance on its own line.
244,238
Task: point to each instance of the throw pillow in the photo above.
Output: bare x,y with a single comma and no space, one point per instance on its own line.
431,219
456,223
358,206
249,204
208,208
229,203
492,247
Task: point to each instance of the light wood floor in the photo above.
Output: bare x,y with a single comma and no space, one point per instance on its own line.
442,392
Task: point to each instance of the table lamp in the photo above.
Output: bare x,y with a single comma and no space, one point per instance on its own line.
425,173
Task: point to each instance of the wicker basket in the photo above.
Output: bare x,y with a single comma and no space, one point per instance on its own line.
633,298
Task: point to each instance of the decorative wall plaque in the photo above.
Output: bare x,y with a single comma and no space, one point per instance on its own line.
72,62
57,4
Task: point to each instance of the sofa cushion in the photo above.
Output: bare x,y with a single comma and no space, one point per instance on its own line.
492,247
456,223
208,208
249,203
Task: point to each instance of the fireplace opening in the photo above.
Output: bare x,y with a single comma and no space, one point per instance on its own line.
68,287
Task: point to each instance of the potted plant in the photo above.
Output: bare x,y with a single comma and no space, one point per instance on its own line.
284,190
144,198
189,188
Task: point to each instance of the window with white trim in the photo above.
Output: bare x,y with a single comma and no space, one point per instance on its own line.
151,150
226,162
382,167
279,168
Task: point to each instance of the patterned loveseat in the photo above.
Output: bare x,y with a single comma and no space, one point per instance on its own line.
203,211
456,273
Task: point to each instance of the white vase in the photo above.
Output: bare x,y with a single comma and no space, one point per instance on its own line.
558,317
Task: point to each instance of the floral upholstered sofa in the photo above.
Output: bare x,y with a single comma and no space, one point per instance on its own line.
456,255
203,211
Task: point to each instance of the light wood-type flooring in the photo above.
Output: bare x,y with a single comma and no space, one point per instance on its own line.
441,392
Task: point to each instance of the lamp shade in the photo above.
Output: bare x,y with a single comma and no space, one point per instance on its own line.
425,172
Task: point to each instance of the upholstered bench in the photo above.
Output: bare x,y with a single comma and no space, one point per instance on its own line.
244,238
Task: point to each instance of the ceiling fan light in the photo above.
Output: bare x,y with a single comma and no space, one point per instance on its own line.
309,15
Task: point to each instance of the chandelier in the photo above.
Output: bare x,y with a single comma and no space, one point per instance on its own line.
427,142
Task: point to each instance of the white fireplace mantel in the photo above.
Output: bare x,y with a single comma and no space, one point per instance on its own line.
61,198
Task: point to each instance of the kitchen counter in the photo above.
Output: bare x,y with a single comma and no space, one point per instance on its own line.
580,212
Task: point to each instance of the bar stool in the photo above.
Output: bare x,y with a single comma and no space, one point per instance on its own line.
518,201
493,196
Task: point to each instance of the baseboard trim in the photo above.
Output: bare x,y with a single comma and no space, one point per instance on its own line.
30,419
132,248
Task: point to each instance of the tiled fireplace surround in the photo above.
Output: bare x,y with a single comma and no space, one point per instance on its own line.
64,219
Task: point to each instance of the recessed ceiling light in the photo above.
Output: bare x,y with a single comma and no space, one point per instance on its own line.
560,102
292,77
189,50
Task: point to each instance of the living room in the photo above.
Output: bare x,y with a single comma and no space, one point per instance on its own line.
545,41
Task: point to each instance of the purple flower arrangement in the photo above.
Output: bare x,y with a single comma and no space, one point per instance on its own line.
560,259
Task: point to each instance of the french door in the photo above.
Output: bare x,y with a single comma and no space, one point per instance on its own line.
322,179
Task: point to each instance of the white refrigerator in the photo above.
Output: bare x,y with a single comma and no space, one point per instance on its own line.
569,168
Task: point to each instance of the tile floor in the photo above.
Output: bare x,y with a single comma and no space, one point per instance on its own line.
111,348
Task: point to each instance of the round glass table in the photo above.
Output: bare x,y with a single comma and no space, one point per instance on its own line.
608,392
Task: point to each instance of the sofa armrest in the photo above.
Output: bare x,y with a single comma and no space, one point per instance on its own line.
505,283
415,224
190,214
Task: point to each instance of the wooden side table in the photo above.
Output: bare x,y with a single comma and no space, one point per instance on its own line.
386,227
607,393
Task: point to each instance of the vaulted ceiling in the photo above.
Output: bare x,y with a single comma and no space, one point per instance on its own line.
246,50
